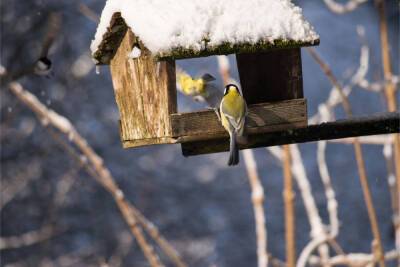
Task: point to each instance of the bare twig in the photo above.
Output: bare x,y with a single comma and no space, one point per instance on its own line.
355,259
150,228
103,176
349,6
257,196
359,158
318,232
52,32
288,197
366,140
358,78
29,238
329,192
326,179
390,94
317,227
125,241
18,182
88,12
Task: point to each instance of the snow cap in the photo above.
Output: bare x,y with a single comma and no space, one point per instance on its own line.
197,26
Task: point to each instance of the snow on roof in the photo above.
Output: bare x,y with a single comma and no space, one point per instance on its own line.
165,25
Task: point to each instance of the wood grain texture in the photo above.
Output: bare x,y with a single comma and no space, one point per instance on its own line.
145,92
381,123
271,76
265,117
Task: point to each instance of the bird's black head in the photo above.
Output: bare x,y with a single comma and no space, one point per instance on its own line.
231,87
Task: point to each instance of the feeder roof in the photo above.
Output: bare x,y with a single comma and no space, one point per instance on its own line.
192,28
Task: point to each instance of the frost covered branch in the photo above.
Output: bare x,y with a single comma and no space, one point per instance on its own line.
349,6
355,259
378,248
88,12
391,99
18,182
257,197
29,238
366,140
95,165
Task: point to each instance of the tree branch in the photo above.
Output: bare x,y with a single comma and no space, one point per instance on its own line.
100,172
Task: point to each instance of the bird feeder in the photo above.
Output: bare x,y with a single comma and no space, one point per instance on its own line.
141,42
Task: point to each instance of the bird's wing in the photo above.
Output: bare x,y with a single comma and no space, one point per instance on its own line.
214,95
236,122
207,77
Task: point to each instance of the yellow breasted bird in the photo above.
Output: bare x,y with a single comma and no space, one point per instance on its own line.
200,89
233,111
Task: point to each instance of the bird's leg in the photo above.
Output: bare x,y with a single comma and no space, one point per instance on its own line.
216,110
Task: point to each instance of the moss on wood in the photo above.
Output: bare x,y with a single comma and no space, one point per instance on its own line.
228,48
111,40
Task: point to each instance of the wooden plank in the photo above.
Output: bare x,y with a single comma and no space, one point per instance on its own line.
382,123
264,117
271,76
145,92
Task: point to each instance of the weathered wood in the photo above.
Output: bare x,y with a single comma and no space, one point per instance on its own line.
111,40
145,92
382,123
271,76
265,117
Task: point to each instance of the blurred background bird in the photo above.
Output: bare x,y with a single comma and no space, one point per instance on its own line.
201,89
233,111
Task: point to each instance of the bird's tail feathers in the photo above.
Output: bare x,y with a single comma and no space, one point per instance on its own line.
233,150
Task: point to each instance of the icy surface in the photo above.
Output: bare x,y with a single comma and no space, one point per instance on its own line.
163,25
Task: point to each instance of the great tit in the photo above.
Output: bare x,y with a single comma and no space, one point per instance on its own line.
200,89
233,111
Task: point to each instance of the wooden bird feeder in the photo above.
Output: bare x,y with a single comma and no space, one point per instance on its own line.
145,89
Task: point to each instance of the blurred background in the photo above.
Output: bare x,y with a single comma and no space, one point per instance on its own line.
201,206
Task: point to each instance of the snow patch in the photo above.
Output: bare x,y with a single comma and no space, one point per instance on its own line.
135,53
163,25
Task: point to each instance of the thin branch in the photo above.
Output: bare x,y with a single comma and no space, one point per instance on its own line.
317,227
349,6
104,177
359,158
257,197
391,179
29,238
358,78
88,12
355,259
288,197
125,242
54,24
332,205
390,94
366,140
150,228
18,182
